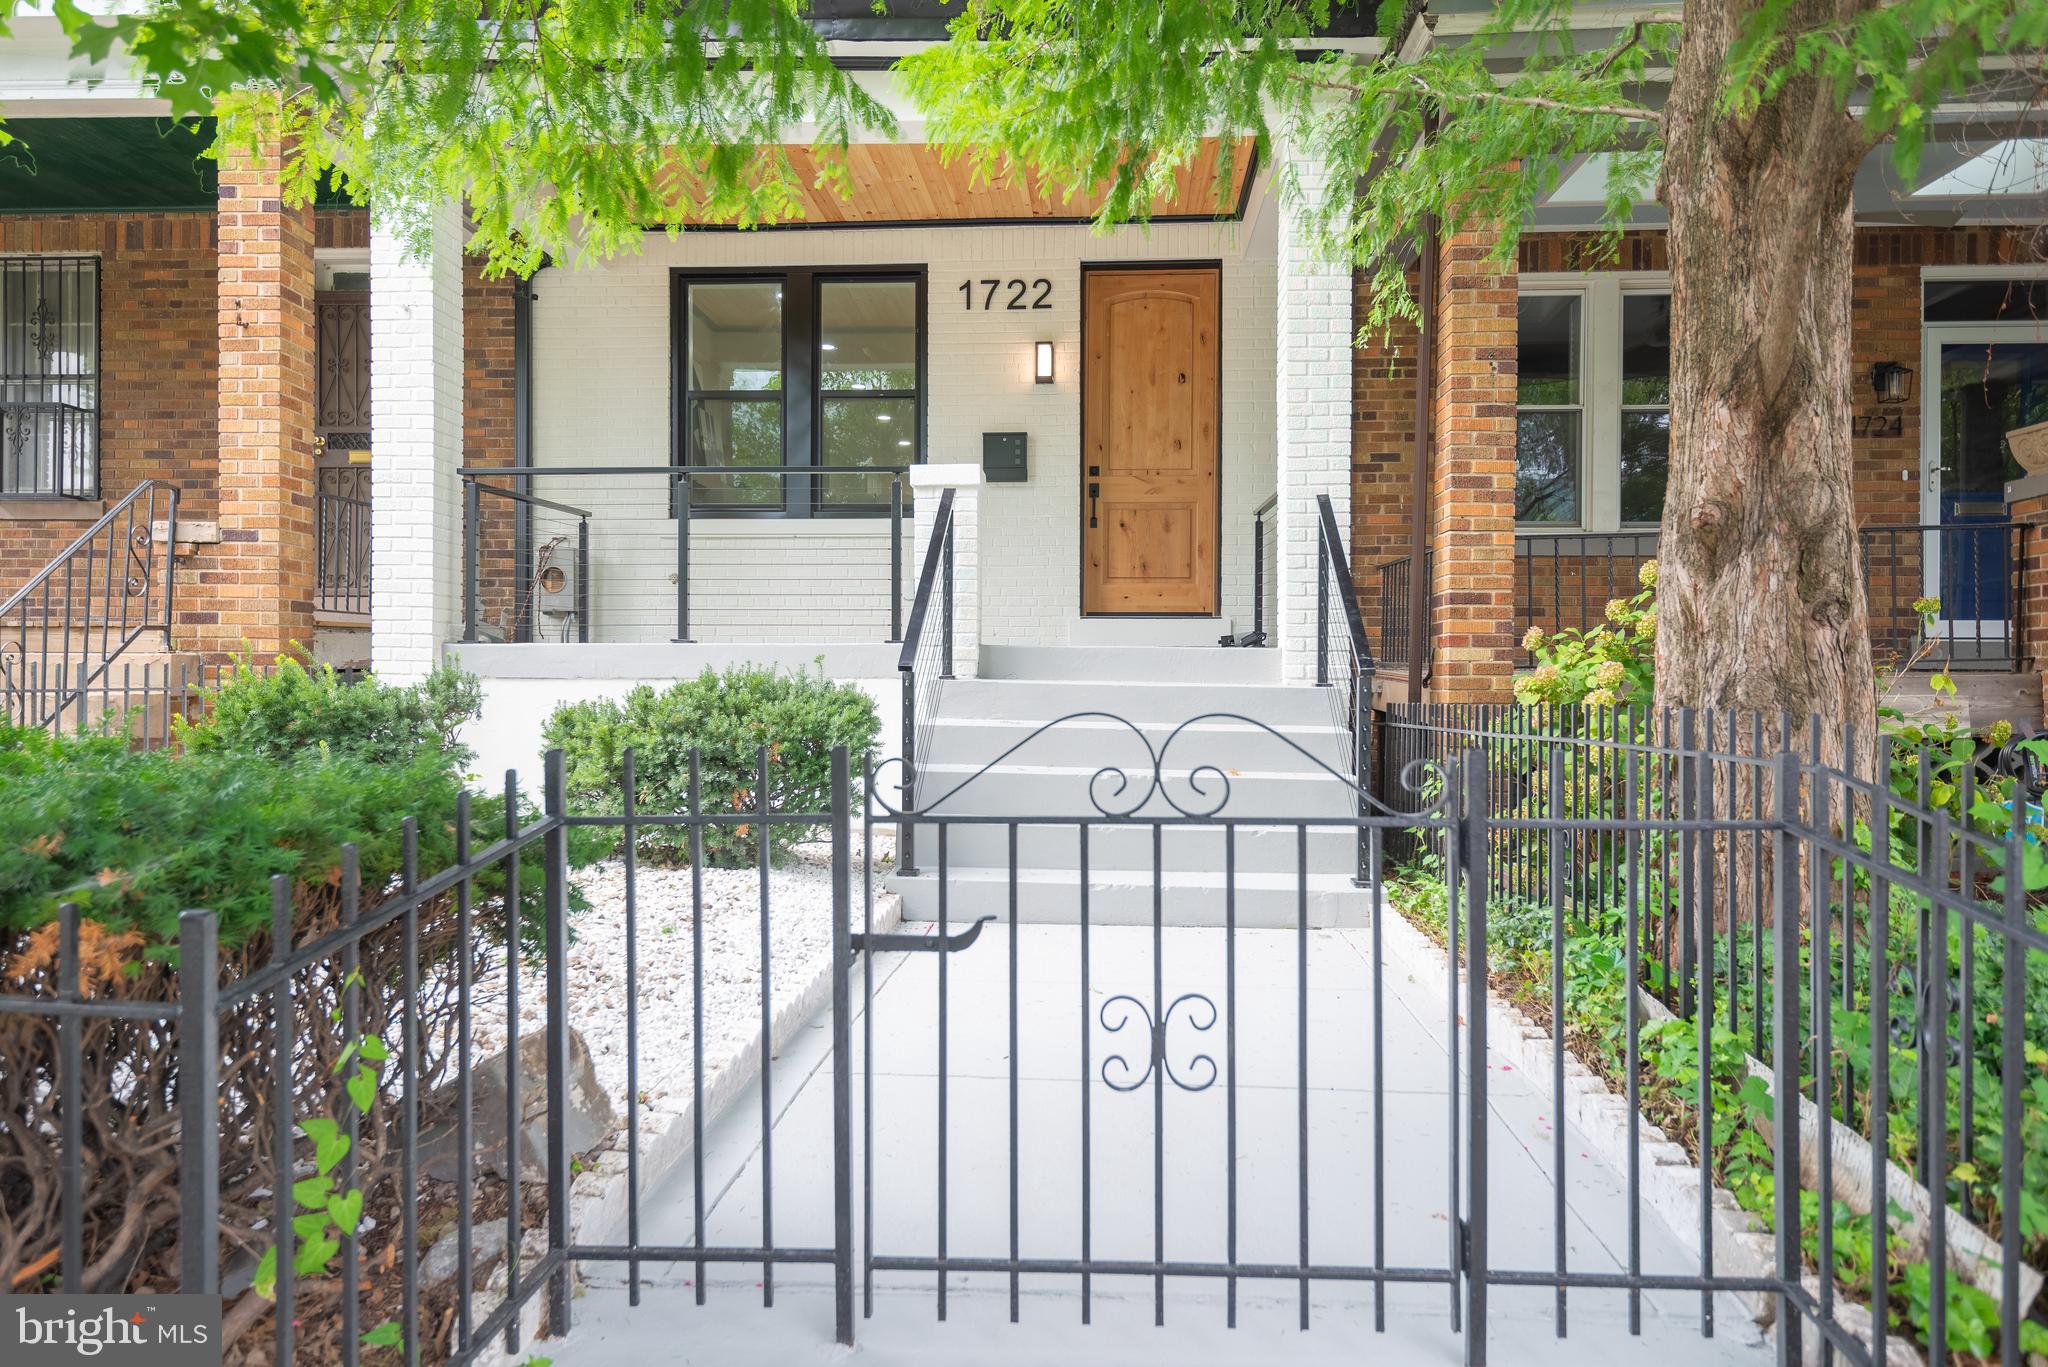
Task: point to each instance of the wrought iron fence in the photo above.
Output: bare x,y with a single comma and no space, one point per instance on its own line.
255,1097
341,553
63,629
649,563
1784,913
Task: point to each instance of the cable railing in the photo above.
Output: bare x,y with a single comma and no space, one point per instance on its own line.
924,664
623,553
113,585
1344,662
341,553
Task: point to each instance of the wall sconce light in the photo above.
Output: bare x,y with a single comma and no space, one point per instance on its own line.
1042,362
1892,381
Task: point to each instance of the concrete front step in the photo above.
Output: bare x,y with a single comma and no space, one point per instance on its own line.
1041,700
1125,848
1096,741
1132,664
1053,792
1184,899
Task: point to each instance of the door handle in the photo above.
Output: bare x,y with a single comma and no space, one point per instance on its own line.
1094,495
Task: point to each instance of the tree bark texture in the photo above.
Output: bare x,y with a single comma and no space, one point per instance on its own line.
1760,588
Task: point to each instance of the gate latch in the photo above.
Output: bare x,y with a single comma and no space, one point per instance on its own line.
899,943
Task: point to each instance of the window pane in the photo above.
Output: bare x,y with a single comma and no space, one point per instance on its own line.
1645,461
867,334
735,432
1547,360
1547,467
866,432
1645,348
1986,301
736,335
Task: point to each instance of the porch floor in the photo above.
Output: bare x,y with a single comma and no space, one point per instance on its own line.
732,1327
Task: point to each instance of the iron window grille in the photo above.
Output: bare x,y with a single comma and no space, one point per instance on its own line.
49,377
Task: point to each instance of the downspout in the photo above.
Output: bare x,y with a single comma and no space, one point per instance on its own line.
522,447
1419,587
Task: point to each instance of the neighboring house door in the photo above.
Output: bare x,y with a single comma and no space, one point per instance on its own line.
1983,385
341,331
1149,449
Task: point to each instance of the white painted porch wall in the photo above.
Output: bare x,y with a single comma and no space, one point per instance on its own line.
601,396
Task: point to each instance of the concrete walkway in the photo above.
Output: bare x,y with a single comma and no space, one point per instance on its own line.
733,1329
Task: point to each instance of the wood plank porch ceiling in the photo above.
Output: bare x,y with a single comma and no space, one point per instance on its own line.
906,183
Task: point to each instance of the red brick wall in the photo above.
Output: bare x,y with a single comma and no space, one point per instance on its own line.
258,592
1886,327
158,348
1472,489
490,422
1382,460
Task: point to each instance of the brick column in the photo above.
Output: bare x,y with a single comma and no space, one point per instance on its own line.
1472,494
1312,406
415,438
2027,502
258,592
929,484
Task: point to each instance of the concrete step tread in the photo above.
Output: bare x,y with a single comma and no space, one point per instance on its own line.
1099,878
1208,726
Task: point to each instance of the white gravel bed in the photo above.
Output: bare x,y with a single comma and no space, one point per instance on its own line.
800,938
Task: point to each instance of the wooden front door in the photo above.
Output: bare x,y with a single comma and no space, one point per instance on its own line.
1149,493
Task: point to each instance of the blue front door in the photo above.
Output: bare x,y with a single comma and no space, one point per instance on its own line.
1987,388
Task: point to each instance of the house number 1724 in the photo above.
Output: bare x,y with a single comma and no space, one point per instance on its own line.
1016,293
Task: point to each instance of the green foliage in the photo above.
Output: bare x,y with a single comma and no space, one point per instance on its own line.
288,709
292,766
563,125
1612,665
1089,95
729,719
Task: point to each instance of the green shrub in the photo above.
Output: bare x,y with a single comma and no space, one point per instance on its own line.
1609,665
727,718
135,837
289,709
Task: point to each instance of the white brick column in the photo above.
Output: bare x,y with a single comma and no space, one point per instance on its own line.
928,485
1312,405
416,442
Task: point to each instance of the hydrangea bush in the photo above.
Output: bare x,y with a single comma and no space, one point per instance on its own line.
1610,665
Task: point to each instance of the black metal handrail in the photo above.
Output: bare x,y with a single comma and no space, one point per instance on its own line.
341,553
60,630
1565,580
1263,580
1344,660
929,654
48,450
684,511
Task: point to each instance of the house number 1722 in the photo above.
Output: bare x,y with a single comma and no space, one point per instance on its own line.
1016,292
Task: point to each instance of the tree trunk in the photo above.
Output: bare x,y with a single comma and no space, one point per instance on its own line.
1760,585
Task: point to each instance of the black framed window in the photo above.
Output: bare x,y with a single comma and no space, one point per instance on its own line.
1549,410
801,368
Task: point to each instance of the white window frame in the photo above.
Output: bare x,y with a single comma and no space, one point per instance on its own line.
1600,294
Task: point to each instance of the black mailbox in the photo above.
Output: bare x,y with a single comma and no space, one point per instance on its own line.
1002,458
